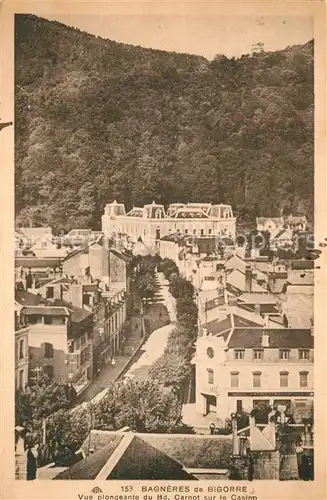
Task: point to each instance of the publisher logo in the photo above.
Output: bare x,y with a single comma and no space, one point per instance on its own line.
97,490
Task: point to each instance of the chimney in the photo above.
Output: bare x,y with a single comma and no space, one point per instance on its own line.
248,279
265,335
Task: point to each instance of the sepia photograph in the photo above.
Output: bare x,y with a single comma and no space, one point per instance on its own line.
165,253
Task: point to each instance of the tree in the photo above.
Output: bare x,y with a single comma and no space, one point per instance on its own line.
146,285
187,313
143,405
39,401
181,288
65,432
137,130
172,369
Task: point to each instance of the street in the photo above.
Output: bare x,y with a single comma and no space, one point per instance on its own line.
151,350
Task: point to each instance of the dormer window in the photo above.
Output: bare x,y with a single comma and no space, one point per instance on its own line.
158,214
304,354
257,354
239,353
284,354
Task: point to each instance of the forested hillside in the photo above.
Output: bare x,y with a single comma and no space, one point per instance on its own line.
98,120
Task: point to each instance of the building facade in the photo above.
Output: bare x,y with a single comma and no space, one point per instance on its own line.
151,222
21,348
60,343
241,363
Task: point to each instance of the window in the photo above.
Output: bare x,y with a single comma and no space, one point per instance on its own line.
194,231
210,231
257,353
71,347
202,232
283,379
48,350
48,371
304,354
239,354
115,321
239,405
256,379
284,353
50,292
21,379
210,352
303,379
33,319
59,320
186,231
234,379
210,376
21,349
48,320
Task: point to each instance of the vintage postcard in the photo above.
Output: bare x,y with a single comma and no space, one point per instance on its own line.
163,243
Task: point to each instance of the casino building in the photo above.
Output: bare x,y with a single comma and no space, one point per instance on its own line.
152,222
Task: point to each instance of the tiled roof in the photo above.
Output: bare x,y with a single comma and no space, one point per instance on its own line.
237,279
249,338
240,322
27,298
136,212
62,281
300,278
275,220
47,310
132,457
92,287
34,262
190,213
78,314
217,327
134,453
303,264
194,451
258,298
90,467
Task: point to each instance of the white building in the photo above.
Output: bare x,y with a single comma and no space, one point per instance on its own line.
151,222
241,363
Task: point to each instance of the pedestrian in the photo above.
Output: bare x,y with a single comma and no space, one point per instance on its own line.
212,428
31,466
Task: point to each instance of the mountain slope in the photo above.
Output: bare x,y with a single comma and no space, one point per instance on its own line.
98,120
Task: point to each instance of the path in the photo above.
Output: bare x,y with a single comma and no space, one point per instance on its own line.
109,373
149,352
155,345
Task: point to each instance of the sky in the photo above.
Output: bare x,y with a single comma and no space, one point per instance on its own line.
228,35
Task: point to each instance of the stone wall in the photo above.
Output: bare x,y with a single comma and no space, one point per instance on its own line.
239,468
20,466
265,464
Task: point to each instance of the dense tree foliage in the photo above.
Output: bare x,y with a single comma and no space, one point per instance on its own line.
98,120
143,405
40,400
